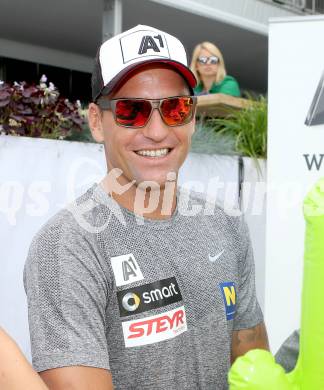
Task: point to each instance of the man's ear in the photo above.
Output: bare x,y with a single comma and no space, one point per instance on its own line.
95,122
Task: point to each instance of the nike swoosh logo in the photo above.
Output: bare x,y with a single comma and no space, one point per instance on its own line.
214,258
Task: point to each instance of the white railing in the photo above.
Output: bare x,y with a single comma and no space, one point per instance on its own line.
306,6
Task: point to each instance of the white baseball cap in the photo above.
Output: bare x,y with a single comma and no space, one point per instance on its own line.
133,48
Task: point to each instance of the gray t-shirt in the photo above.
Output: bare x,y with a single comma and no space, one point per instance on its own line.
287,354
154,301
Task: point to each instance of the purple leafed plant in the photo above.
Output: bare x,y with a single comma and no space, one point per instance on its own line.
38,111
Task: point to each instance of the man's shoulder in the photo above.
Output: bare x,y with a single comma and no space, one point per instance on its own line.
208,207
67,219
208,201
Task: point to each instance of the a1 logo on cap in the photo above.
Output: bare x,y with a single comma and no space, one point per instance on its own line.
144,43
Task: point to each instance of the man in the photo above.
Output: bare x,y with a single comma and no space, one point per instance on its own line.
15,371
287,355
133,287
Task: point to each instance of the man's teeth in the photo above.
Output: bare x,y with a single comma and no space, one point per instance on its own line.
153,153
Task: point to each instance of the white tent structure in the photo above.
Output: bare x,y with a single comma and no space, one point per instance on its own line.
66,33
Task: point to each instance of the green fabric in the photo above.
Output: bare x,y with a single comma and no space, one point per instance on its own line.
228,86
257,369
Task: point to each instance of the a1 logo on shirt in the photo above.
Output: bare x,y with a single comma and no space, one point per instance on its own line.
126,269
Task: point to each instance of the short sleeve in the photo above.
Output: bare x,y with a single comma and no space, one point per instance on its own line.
287,354
248,311
67,298
230,87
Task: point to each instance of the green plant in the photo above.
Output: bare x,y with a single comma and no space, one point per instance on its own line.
248,126
38,111
207,141
84,135
80,136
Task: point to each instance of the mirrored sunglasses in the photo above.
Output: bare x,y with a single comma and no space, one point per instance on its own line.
174,111
213,60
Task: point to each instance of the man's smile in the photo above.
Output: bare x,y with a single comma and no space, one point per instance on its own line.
155,153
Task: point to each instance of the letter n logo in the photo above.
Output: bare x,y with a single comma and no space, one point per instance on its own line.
126,269
229,297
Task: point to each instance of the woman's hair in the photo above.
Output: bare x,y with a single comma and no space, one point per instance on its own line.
213,50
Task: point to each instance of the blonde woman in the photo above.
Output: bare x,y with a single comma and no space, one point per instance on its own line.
15,371
209,68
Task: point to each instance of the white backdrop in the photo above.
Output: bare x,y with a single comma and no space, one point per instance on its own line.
296,63
38,177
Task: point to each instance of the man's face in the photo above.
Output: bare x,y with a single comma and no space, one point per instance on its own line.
124,145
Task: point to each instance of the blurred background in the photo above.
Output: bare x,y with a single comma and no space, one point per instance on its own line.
59,38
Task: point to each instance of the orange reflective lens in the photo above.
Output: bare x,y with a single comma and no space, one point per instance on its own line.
174,111
132,113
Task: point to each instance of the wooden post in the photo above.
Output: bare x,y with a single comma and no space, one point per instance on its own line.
219,105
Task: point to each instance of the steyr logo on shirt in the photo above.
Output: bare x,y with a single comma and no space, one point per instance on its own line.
126,269
154,329
229,297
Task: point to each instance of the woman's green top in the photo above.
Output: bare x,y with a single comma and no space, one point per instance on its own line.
228,86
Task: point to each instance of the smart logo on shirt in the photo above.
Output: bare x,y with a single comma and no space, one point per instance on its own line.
148,296
229,296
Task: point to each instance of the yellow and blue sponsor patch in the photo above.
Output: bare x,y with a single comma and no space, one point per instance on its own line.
229,296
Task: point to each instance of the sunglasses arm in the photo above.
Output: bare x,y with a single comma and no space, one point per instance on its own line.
104,103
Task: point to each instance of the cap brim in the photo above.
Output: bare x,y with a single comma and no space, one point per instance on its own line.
122,76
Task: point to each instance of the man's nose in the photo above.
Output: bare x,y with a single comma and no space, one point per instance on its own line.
156,129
